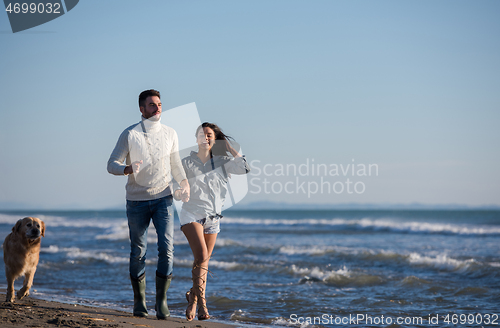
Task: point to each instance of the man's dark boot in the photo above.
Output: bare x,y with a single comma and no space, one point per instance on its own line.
162,285
139,287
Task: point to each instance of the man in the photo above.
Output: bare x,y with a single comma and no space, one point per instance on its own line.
150,152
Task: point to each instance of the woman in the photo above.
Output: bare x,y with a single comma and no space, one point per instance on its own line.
208,171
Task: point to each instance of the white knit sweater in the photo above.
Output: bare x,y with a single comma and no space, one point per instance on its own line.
158,148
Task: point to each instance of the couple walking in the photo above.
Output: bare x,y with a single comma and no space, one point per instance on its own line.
147,152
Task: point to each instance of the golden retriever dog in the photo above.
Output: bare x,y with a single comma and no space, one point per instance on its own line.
21,250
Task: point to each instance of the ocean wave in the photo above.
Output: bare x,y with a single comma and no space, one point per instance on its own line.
338,278
9,218
288,323
188,263
444,262
52,249
309,250
112,229
117,231
354,253
413,281
93,255
121,232
438,262
223,242
247,317
345,277
118,228
224,265
376,225
73,253
61,221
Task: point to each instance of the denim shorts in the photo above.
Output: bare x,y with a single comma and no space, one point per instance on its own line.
211,224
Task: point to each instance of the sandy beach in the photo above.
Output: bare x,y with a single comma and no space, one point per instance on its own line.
31,312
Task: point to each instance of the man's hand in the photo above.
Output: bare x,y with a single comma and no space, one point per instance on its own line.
133,168
185,190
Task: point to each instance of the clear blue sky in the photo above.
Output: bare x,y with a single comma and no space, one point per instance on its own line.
412,86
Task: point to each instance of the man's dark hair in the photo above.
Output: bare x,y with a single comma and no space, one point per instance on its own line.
145,94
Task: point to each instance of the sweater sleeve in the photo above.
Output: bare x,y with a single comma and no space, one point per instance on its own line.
175,160
118,156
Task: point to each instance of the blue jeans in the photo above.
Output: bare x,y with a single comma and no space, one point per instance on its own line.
139,214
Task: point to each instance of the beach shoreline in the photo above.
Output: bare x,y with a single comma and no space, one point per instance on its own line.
34,312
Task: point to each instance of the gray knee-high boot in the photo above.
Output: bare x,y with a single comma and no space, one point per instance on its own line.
162,285
139,287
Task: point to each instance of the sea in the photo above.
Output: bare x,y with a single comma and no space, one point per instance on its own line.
291,268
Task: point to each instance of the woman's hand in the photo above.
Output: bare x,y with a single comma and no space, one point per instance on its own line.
230,149
185,191
178,194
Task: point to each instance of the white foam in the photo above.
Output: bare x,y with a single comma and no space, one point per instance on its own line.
77,253
320,274
56,249
9,219
342,277
441,261
121,232
118,231
58,221
114,229
224,265
118,228
221,242
51,249
288,323
323,250
462,229
188,262
248,221
377,224
309,250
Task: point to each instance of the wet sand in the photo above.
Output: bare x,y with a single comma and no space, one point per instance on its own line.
31,312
